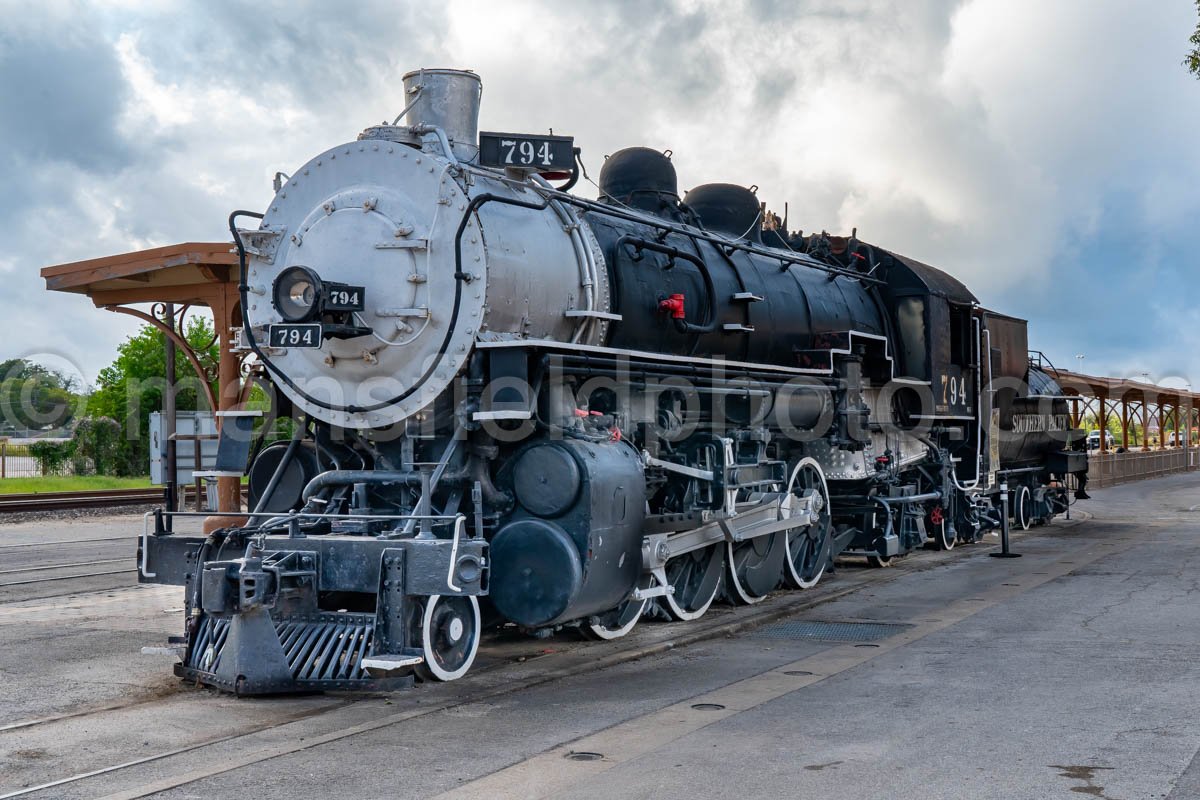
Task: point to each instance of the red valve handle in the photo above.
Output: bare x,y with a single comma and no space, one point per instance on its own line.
673,305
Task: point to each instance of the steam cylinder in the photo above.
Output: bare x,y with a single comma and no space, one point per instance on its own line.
573,545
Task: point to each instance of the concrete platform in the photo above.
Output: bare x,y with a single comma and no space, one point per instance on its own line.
1068,671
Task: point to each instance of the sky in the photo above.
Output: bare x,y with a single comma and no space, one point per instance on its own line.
1043,151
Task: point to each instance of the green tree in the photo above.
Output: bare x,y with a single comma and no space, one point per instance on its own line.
132,387
1193,58
33,397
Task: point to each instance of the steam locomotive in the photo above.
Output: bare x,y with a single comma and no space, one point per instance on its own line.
517,406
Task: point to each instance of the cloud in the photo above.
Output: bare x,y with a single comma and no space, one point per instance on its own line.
1044,153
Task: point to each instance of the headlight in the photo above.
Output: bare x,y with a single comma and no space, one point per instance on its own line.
297,294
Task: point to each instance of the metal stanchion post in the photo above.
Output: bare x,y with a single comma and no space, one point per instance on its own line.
1004,551
170,424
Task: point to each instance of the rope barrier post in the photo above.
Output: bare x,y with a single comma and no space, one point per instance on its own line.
1004,550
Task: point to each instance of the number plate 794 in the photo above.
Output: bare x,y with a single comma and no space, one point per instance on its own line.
536,152
307,335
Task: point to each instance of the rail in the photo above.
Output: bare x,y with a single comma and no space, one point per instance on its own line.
72,501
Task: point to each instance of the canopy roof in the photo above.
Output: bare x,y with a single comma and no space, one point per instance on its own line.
1118,388
191,272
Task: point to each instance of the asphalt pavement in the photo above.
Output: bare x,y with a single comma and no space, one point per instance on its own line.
1067,672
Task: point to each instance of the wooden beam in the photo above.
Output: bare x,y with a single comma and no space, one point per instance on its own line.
226,315
194,294
79,274
1125,424
217,273
182,253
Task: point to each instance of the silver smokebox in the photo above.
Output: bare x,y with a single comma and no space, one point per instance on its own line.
447,99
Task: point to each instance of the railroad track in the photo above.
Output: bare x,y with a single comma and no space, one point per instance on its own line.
489,684
101,498
62,501
30,576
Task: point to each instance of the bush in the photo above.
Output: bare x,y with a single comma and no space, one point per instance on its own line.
52,456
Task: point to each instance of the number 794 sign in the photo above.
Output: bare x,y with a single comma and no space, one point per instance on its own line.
526,151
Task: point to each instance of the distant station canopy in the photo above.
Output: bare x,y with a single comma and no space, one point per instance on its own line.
188,274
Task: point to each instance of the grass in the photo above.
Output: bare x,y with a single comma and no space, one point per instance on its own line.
70,484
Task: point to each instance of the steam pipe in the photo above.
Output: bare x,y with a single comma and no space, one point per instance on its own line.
371,477
682,325
915,498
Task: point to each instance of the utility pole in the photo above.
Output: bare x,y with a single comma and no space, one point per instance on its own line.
169,416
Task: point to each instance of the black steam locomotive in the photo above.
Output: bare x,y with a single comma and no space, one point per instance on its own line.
579,412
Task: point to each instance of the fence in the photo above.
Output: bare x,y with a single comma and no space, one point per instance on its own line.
18,461
27,435
1109,469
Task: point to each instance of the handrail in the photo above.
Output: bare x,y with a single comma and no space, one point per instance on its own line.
666,227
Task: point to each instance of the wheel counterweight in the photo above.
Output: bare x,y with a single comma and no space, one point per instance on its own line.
755,567
695,579
619,621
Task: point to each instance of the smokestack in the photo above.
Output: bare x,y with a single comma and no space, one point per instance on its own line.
447,99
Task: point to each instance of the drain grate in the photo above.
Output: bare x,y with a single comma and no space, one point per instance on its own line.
832,631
